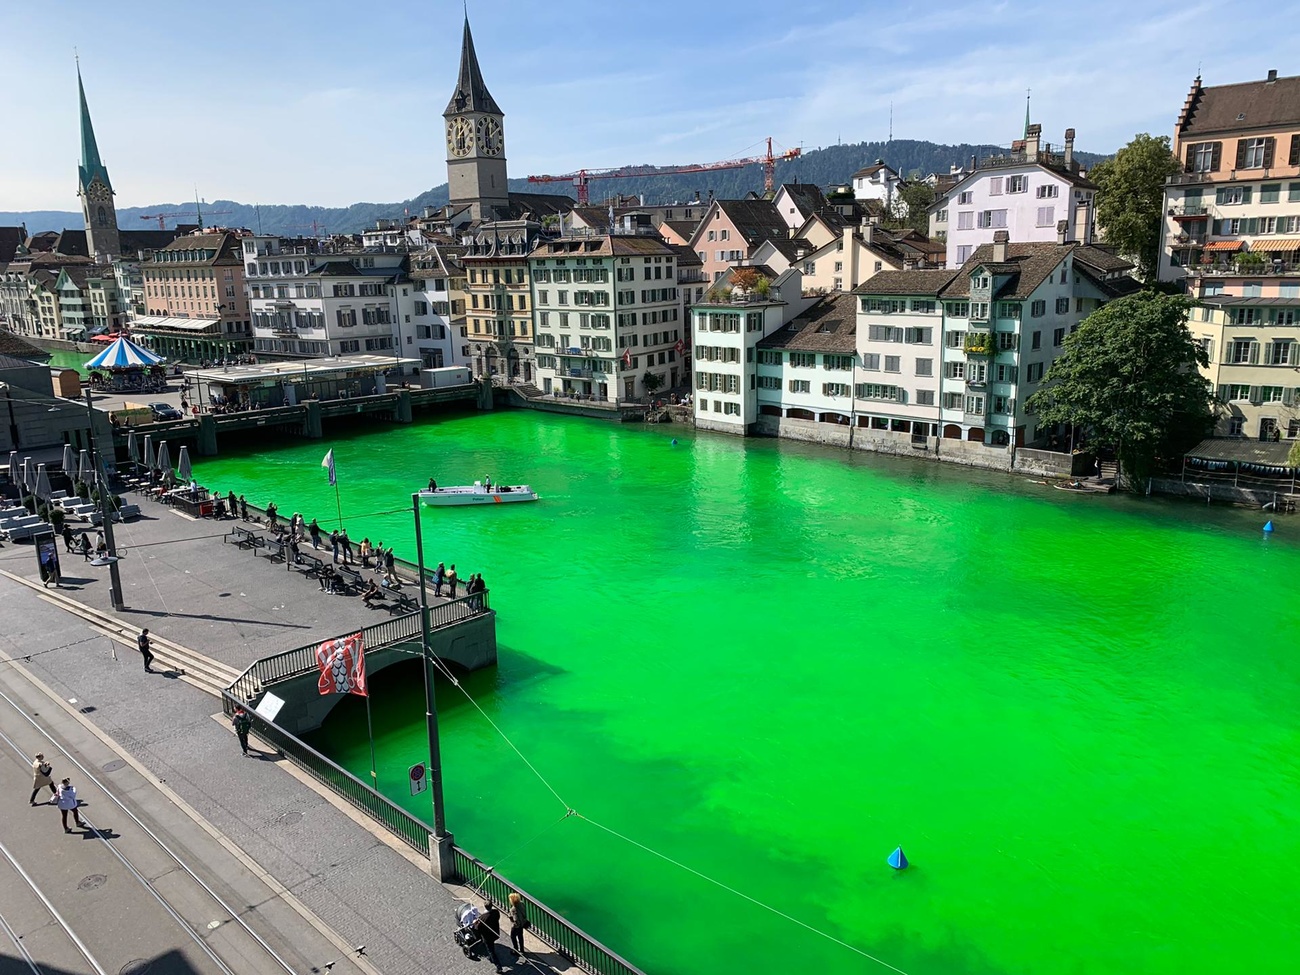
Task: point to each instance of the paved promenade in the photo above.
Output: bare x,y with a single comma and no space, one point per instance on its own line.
181,581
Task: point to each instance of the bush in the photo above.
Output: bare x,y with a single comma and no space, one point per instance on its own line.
43,512
57,516
29,502
83,490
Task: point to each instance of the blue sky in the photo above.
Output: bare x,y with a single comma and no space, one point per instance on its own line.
324,102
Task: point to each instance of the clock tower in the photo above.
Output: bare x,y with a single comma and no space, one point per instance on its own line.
95,190
476,147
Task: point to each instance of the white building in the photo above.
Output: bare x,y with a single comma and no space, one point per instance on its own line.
1027,193
877,182
436,331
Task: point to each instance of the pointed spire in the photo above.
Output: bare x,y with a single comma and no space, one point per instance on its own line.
1026,133
471,93
91,165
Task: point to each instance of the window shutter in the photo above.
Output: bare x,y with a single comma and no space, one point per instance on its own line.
1209,350
1294,158
1268,352
1252,225
1223,394
1254,394
1217,159
1288,396
1188,163
1246,192
1216,228
1254,354
1241,154
1269,145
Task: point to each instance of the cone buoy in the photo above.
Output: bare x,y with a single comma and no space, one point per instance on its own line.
898,860
674,441
1268,526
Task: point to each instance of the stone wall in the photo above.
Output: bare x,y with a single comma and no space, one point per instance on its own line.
1225,493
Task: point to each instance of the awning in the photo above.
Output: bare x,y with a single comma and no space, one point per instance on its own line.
1224,245
1283,245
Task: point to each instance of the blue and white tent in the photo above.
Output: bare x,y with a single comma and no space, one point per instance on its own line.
124,354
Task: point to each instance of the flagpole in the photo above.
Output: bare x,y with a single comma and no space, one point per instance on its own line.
370,733
338,506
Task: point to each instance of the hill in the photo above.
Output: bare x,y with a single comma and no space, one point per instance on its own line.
824,167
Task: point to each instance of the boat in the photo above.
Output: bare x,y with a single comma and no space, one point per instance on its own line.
445,497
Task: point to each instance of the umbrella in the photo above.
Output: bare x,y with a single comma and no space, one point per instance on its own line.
149,461
85,473
15,469
28,478
42,490
69,463
123,354
183,463
131,450
164,457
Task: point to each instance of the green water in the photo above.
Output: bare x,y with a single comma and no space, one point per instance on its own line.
774,663
63,359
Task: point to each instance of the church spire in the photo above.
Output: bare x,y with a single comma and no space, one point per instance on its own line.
471,93
91,165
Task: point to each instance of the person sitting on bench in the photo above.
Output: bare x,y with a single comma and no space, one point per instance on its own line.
372,593
329,580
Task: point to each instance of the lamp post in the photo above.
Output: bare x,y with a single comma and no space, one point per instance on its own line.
114,577
440,855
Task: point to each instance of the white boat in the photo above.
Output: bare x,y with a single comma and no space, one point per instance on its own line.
475,493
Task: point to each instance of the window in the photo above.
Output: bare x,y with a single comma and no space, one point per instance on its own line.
941,216
1204,157
1238,391
1048,191
965,197
1243,352
952,401
876,391
963,253
769,382
799,385
1035,372
925,367
837,363
835,389
1270,394
810,268
1007,342
1046,217
893,363
1232,195
1062,306
1037,310
975,405
956,309
965,219
923,307
803,360
954,370
1009,309
1254,153
925,397
979,310
992,218
769,357
731,409
1017,184
871,361
1270,192
918,336
1058,338
995,186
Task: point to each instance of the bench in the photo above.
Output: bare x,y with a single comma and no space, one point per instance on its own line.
308,565
400,602
275,547
244,538
351,580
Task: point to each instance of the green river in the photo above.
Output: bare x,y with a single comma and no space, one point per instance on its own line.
772,663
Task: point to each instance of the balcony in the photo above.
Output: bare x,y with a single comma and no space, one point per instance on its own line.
1188,179
1190,212
977,343
976,385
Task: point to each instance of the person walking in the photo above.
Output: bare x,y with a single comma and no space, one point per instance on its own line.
314,531
85,546
334,544
451,581
518,918
241,722
41,777
390,567
439,574
68,803
143,642
67,539
488,927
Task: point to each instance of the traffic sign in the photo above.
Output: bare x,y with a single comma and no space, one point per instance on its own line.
419,778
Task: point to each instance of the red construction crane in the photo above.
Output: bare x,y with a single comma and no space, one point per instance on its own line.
583,176
163,217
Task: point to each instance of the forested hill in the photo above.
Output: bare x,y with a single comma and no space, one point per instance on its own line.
824,167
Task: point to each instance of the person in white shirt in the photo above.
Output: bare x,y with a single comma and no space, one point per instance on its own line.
68,803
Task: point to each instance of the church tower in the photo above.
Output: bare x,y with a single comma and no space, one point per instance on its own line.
476,145
95,190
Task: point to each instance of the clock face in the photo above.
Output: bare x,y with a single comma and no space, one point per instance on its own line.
492,139
97,191
460,136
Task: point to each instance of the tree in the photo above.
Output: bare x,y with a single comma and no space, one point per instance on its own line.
1293,455
914,201
744,278
1128,376
1131,198
653,382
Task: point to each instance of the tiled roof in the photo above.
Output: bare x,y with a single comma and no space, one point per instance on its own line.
685,256
12,345
806,196
1111,288
538,205
1101,259
922,282
72,243
222,245
684,229
471,94
871,170
1027,264
11,238
1264,103
829,325
789,248
606,245
755,220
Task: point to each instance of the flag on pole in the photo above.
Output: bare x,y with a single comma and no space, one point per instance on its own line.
627,358
680,347
342,664
328,464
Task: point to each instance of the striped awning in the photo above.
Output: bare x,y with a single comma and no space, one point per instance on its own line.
1283,245
1224,245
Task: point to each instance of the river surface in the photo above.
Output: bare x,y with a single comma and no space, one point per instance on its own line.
754,668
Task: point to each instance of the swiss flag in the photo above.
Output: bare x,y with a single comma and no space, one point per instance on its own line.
627,358
342,664
680,346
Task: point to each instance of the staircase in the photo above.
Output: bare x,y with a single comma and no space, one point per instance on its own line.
1110,470
201,671
527,390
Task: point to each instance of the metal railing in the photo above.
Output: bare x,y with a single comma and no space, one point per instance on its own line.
548,925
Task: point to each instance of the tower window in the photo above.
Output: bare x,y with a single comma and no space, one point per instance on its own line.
103,217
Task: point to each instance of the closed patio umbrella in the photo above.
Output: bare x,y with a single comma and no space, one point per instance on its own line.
149,460
69,461
164,457
29,476
15,470
42,489
85,473
183,463
131,450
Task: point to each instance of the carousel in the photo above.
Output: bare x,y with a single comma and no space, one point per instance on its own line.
125,367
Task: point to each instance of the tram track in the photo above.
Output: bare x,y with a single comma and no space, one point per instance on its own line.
198,888
34,966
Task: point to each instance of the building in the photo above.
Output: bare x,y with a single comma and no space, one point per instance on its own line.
437,317
877,182
731,230
499,315
1233,214
95,189
196,305
1026,192
476,141
609,313
796,202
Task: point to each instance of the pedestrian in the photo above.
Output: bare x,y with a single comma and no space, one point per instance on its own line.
347,546
67,538
242,723
272,513
390,567
232,503
451,581
364,549
334,544
518,922
488,927
142,641
85,546
41,777
68,803
314,531
439,574
243,508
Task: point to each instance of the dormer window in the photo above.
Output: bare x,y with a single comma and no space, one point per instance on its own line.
980,281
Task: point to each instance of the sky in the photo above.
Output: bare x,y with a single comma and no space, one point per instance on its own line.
331,103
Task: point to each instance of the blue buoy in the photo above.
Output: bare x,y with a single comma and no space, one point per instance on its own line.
1268,526
675,444
898,860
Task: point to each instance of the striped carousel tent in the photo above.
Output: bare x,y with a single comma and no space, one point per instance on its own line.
124,354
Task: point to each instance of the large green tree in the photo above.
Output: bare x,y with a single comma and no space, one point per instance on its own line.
1131,199
912,208
1128,378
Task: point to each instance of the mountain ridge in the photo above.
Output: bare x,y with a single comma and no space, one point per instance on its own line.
826,166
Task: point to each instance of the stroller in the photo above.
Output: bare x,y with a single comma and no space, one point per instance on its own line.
466,936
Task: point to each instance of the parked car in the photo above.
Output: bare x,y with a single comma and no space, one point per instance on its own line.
165,411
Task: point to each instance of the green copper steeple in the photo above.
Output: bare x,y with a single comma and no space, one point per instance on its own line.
91,166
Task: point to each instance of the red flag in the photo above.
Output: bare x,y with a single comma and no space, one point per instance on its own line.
680,346
627,358
342,665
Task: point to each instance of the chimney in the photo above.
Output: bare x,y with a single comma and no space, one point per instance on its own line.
1083,221
1000,240
973,162
1272,75
1032,136
1062,228
1069,149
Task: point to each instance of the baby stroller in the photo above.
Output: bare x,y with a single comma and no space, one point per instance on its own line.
466,936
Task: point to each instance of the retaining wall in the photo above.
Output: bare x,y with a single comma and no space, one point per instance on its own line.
1252,497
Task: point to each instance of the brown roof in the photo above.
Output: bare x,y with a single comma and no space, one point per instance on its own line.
222,245
1264,104
1101,259
922,282
11,344
1027,265
807,197
1110,288
606,245
755,220
685,256
829,325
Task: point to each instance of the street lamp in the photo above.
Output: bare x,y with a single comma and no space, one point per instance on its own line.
114,577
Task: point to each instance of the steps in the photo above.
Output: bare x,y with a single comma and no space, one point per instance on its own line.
195,668
1109,470
527,390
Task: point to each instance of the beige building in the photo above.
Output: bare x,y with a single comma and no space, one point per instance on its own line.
499,316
